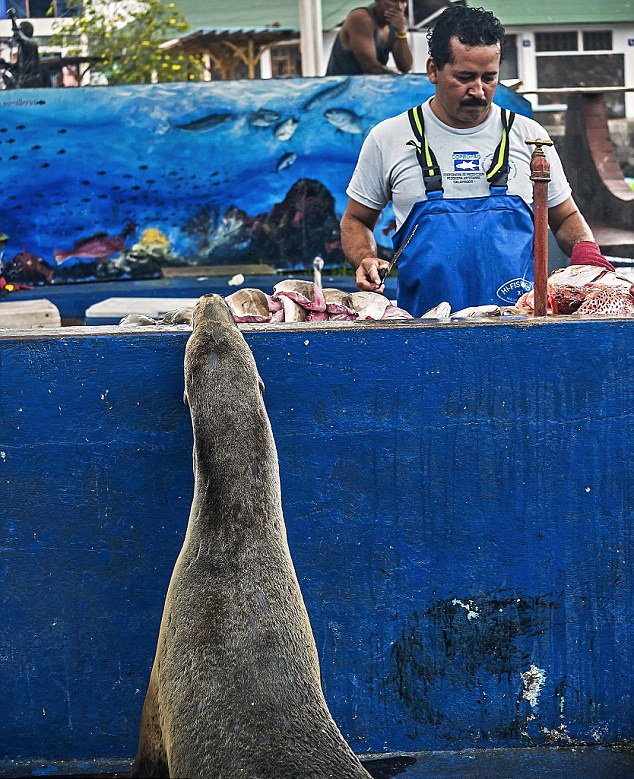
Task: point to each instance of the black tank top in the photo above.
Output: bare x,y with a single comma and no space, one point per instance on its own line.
342,61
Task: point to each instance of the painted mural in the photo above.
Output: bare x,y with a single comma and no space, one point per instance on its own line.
120,182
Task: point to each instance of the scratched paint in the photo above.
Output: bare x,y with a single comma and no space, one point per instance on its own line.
439,524
533,681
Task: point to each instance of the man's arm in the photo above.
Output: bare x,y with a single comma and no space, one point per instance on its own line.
358,36
359,246
400,48
574,236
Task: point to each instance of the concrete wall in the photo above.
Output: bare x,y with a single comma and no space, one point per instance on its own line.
459,506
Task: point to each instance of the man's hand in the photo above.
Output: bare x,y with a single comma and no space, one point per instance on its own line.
588,253
367,274
396,19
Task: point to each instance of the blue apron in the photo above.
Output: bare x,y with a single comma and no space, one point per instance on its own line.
467,251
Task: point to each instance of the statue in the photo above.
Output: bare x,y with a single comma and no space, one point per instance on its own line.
26,71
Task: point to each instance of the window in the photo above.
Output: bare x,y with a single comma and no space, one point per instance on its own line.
583,70
597,40
285,61
508,68
556,41
38,9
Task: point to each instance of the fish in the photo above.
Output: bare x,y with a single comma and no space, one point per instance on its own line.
28,267
285,130
249,305
293,312
394,312
467,165
264,118
137,320
344,120
369,305
326,95
178,316
338,302
317,316
304,293
204,124
97,246
285,161
568,288
608,302
441,311
474,312
318,266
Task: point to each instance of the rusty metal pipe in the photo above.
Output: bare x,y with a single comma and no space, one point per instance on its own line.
540,176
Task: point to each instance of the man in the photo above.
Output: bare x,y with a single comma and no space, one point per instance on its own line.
367,38
446,166
26,71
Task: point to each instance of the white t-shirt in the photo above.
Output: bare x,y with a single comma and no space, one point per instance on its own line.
388,169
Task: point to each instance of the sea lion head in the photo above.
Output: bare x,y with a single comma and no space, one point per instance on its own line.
219,366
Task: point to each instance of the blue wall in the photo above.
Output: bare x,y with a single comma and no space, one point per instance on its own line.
459,505
213,166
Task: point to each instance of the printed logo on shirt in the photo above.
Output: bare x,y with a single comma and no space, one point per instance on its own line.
511,291
466,161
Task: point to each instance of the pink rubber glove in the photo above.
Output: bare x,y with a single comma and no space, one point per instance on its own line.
587,253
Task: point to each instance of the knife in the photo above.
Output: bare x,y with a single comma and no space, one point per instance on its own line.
385,272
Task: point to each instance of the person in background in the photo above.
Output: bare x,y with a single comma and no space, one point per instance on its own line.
457,171
368,37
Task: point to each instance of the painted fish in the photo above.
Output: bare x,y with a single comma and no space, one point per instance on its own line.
98,246
326,95
204,124
249,305
369,305
304,293
264,118
28,267
285,161
285,130
344,120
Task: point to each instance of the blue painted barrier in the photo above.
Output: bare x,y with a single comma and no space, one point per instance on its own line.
458,500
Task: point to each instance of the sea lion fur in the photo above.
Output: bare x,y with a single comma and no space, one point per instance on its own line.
235,687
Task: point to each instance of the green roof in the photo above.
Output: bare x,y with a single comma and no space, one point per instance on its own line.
260,13
285,13
535,12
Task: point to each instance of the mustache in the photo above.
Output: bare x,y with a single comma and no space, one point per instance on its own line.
473,102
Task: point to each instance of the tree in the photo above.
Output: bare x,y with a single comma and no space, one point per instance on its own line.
126,36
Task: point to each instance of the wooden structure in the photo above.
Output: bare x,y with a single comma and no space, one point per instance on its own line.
226,50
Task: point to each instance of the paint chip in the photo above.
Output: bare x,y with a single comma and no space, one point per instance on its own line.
533,680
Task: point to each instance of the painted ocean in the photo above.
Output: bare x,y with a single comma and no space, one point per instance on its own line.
116,182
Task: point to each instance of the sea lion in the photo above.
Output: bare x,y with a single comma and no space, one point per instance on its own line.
235,690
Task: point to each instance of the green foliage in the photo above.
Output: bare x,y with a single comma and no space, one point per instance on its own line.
126,36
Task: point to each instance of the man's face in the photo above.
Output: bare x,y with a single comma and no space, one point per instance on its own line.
386,8
465,86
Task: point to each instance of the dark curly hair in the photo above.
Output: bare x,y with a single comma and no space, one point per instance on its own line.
472,27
